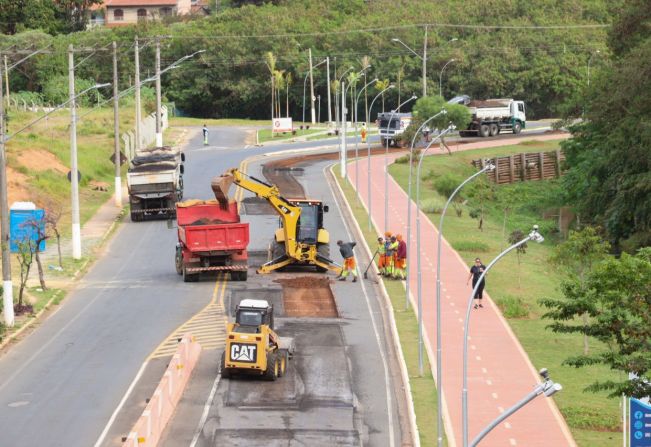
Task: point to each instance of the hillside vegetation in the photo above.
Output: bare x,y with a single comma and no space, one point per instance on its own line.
542,66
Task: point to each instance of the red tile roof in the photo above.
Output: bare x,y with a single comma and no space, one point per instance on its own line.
136,3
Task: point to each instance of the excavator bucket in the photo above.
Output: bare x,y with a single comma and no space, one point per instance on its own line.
220,186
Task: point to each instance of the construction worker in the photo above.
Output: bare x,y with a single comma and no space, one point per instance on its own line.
387,254
204,130
393,248
346,250
382,259
401,258
363,132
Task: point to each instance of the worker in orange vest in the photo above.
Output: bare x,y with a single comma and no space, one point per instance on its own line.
363,132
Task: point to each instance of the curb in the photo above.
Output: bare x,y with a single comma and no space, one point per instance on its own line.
415,436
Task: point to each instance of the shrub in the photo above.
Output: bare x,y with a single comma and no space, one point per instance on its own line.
446,184
55,91
432,205
513,307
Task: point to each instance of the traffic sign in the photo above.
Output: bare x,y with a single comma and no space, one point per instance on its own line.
639,423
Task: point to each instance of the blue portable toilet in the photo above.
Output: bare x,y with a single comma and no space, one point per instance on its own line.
19,215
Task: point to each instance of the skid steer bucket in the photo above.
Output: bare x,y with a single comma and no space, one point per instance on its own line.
220,186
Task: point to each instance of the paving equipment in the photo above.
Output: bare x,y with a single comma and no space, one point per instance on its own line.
301,238
252,346
155,182
211,238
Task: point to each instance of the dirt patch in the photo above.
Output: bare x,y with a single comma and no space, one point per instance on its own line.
16,191
40,160
308,296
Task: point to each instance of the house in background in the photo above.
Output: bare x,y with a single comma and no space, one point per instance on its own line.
129,12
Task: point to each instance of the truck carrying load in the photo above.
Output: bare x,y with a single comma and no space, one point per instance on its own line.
155,182
391,124
492,116
210,238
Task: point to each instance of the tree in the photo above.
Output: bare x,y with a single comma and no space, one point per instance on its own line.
289,80
38,227
515,237
381,85
616,295
577,257
25,260
270,62
366,63
608,180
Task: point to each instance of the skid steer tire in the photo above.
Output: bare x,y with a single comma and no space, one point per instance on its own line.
225,372
283,359
271,373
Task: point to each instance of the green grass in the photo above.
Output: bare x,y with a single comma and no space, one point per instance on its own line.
187,121
423,389
517,288
265,135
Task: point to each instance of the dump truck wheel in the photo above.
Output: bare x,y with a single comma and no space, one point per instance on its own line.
494,129
188,277
225,372
178,261
243,275
484,130
517,127
272,367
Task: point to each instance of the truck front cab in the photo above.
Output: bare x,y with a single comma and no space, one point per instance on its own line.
518,116
392,124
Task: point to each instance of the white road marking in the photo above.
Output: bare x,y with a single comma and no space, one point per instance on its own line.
507,425
500,409
473,347
100,440
206,410
494,395
377,334
484,370
489,382
478,358
512,441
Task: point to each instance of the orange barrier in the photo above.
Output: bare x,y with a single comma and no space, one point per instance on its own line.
159,410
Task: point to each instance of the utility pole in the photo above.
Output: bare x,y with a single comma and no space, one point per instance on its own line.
116,129
6,79
425,64
7,286
159,131
311,87
74,172
137,84
328,79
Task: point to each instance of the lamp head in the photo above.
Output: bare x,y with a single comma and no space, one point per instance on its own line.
535,236
414,97
391,86
489,165
454,39
395,40
552,389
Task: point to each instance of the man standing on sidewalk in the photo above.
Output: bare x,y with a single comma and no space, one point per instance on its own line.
346,250
475,272
382,259
204,130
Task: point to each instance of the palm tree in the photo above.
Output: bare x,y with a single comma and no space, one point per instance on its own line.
352,82
279,82
382,85
366,62
270,62
288,81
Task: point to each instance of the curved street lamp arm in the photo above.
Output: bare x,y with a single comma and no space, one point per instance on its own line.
407,47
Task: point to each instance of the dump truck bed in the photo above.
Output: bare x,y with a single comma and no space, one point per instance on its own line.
207,227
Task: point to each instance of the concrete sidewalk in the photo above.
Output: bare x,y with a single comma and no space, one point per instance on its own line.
500,373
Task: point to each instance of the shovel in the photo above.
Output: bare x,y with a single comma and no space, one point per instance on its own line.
369,265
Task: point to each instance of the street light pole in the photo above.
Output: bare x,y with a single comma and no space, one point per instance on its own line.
328,81
425,63
116,128
548,387
7,285
533,235
356,137
338,117
368,161
590,60
159,130
74,179
312,86
441,77
418,254
439,357
137,93
344,111
386,164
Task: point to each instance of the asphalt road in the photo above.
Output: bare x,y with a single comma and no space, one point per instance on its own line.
343,386
63,383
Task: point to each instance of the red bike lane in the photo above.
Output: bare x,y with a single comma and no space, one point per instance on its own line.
499,371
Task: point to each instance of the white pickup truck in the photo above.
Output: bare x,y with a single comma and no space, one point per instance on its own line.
155,182
492,116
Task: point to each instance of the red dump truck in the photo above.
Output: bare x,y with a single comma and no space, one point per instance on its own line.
211,238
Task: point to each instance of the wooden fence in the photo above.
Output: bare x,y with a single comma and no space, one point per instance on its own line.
525,166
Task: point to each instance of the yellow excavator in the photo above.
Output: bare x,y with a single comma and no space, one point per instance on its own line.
301,238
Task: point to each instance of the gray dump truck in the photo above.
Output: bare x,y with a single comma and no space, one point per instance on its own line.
155,182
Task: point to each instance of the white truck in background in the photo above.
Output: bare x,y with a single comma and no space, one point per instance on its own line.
155,182
492,116
390,125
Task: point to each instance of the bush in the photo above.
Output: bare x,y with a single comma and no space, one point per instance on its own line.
28,97
446,184
432,205
471,246
513,307
55,91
